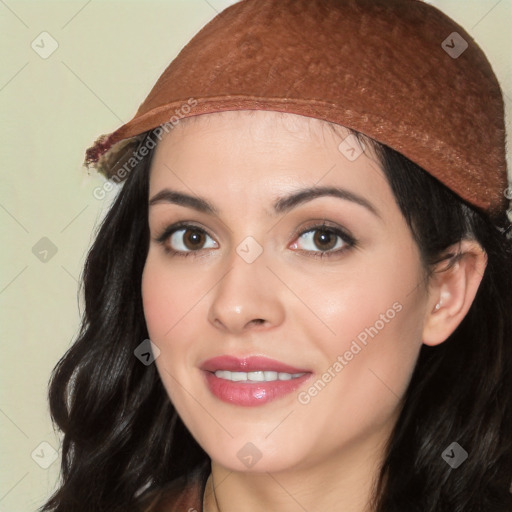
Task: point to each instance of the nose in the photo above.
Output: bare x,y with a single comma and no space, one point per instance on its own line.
246,298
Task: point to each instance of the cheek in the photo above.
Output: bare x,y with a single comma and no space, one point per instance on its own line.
168,295
374,314
377,297
168,303
368,366
174,300
156,295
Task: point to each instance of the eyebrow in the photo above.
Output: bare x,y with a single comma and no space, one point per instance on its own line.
281,205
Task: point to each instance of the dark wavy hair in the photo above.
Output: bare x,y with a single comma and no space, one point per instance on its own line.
123,438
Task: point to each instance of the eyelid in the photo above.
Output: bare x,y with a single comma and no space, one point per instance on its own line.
177,226
314,225
169,231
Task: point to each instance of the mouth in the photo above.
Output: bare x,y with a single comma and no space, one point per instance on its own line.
251,381
257,376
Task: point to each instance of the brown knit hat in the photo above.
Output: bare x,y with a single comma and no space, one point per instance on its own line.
399,71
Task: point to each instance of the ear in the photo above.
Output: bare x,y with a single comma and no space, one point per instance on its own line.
452,289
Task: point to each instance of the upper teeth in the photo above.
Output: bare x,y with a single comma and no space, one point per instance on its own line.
260,376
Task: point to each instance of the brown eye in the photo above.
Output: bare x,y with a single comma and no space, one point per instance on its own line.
321,240
325,239
193,239
189,239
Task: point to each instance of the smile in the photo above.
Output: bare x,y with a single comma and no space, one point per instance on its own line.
251,380
257,376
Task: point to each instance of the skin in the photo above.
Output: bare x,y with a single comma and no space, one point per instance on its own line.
325,454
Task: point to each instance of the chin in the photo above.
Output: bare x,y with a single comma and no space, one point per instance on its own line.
265,464
255,454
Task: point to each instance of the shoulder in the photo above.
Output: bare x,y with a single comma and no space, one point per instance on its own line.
184,494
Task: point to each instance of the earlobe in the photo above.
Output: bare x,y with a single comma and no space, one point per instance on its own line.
452,289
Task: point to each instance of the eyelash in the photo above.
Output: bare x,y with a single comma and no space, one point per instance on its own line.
349,241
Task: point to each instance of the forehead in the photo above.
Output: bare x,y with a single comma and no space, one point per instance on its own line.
262,153
258,123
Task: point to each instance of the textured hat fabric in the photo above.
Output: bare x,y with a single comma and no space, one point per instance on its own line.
398,71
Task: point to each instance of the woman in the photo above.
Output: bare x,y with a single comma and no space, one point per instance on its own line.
300,299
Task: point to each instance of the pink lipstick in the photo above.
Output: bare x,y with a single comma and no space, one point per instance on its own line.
251,381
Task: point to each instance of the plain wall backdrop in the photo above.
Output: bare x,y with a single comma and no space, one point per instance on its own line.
53,106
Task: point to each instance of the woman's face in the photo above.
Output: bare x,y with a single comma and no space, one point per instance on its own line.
259,276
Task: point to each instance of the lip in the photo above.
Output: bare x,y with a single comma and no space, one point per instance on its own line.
248,364
250,394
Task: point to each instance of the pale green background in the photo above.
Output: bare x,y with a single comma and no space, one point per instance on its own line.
110,54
